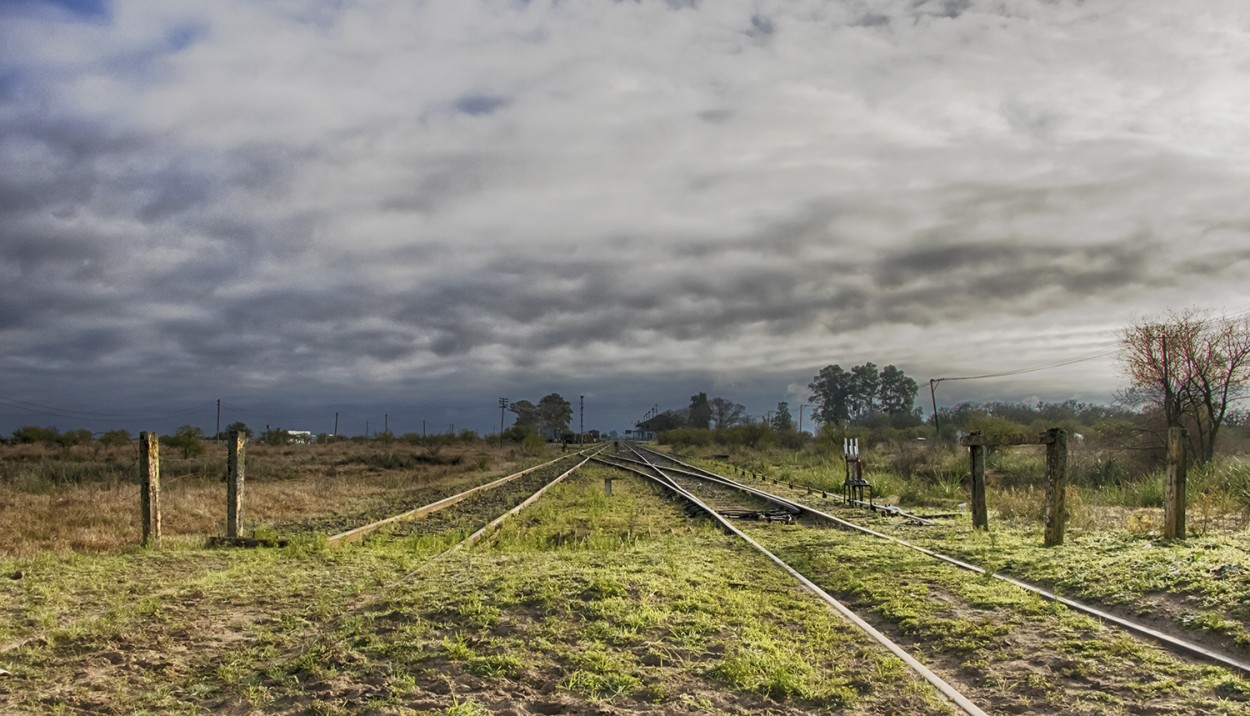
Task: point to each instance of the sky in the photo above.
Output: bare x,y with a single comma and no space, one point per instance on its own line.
401,210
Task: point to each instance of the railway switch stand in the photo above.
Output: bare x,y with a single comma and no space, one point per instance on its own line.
855,489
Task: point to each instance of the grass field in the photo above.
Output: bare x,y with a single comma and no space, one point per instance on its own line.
583,603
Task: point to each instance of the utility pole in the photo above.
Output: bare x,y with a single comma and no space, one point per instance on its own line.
581,419
503,405
386,422
336,423
366,429
933,397
423,428
217,435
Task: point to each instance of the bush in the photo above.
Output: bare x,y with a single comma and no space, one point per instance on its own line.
188,439
28,434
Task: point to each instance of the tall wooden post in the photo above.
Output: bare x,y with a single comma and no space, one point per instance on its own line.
980,516
150,489
1174,490
1056,486
234,484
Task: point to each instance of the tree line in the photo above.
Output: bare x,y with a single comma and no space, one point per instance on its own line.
550,418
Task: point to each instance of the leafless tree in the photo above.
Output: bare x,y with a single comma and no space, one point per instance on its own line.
726,413
1188,366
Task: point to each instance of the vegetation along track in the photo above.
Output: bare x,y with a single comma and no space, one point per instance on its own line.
1169,641
666,477
998,639
357,533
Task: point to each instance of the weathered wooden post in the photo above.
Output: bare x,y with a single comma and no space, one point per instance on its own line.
150,489
607,486
1056,486
1174,490
235,464
980,516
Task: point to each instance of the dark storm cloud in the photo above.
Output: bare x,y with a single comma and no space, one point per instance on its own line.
446,196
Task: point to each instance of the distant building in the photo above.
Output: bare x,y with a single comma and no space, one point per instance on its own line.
300,437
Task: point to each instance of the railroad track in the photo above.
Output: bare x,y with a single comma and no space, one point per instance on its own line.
547,475
689,484
678,473
1168,641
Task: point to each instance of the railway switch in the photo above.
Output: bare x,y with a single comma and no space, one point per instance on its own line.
855,489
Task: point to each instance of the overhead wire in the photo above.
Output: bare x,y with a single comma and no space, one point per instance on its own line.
90,415
1227,319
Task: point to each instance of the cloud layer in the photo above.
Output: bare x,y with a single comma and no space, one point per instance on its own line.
449,199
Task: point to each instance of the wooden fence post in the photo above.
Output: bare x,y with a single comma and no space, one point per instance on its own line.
980,516
235,464
1056,486
1174,490
150,489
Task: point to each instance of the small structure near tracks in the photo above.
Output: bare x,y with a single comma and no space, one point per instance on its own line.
1056,442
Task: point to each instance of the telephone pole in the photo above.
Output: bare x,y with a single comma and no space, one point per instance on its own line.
336,423
581,420
217,435
503,405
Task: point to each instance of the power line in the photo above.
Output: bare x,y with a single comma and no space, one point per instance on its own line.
934,382
88,415
1021,371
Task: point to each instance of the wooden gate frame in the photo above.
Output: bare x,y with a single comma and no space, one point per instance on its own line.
1056,442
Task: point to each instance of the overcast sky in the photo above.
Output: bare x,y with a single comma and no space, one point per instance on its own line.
414,208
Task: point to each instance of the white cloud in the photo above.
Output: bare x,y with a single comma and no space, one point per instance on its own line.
480,191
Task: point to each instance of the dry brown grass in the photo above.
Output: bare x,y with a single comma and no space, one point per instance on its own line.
42,511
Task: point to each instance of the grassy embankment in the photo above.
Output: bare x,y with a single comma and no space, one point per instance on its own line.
1114,556
583,605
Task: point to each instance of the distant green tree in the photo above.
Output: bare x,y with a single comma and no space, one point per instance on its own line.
188,438
831,395
528,419
115,438
554,413
700,411
782,421
897,392
863,385
863,394
28,434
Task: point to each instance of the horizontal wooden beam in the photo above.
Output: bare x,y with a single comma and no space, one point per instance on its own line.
1008,439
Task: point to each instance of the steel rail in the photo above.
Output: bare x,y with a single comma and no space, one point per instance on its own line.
498,521
761,494
472,539
950,692
1173,642
358,533
696,471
